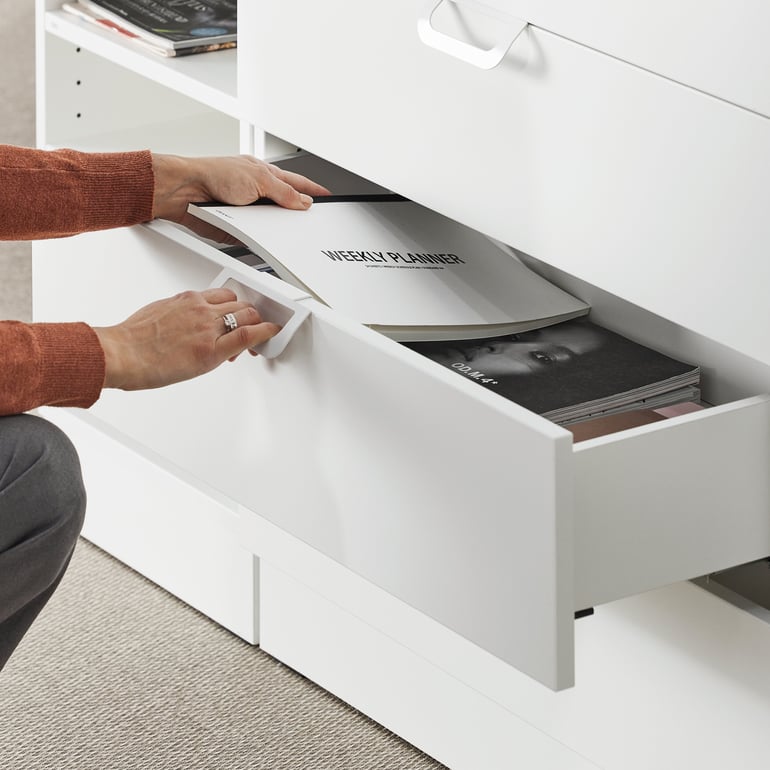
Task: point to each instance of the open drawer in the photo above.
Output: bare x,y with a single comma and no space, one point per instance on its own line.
462,504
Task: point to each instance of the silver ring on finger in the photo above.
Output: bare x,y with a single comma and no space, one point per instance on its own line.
231,322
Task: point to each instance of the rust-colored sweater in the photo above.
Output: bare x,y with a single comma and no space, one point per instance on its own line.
49,194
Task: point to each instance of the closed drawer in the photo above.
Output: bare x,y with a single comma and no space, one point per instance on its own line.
715,46
649,189
460,503
169,531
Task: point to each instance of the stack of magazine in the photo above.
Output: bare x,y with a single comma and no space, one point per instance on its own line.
164,27
570,372
456,297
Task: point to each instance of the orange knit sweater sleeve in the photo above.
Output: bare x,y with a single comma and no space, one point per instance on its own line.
47,194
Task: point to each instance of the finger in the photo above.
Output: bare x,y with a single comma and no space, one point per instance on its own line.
285,195
220,295
244,337
299,182
238,314
234,307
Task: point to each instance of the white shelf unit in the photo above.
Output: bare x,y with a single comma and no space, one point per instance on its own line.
210,80
439,590
97,92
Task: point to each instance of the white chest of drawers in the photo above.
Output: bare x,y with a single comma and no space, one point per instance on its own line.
441,538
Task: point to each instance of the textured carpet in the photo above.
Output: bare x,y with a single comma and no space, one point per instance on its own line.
116,674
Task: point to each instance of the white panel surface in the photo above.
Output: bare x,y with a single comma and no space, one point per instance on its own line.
209,79
439,714
163,528
717,46
670,679
672,501
90,102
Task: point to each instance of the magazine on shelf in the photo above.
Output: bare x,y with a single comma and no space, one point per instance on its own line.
165,27
397,267
571,371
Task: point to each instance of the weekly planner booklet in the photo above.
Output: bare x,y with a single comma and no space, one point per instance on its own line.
398,267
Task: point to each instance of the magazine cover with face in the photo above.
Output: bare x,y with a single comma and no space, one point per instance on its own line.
569,371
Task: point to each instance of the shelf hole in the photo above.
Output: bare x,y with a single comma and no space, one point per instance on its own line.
77,82
78,115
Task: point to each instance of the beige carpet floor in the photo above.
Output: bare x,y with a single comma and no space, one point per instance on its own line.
117,674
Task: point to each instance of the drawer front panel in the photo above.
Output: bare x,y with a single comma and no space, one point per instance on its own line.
458,724
165,529
643,187
344,442
715,46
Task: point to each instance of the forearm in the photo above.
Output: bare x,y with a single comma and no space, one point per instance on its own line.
48,194
54,193
49,364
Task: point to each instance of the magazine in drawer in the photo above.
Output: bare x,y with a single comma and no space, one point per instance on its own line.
650,189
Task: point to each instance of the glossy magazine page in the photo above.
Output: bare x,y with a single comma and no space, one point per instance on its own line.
169,23
570,371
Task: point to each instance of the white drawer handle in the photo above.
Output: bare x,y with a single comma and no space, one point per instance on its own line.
485,59
272,307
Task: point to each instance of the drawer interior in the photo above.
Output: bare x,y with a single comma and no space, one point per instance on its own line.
727,374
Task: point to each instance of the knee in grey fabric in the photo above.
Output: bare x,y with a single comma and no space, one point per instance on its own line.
42,504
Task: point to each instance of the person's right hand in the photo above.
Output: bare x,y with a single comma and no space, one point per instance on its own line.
178,338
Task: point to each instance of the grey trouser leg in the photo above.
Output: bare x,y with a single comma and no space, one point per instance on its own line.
42,504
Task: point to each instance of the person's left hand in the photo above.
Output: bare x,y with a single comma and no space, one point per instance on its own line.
179,338
236,180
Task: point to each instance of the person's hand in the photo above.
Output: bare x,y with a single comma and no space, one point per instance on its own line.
236,180
179,338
